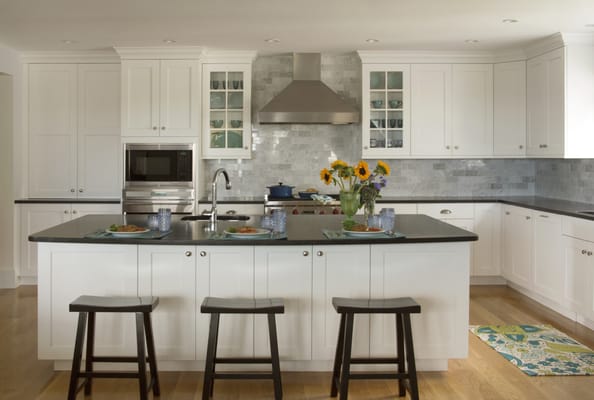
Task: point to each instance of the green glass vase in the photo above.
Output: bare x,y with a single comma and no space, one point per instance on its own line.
349,204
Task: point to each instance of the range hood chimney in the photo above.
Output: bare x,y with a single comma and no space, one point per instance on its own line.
307,100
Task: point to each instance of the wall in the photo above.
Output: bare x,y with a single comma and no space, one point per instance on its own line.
294,154
566,179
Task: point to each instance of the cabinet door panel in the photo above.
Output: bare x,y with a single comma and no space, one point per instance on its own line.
579,276
286,272
226,271
169,272
140,97
338,271
179,107
431,109
509,109
548,256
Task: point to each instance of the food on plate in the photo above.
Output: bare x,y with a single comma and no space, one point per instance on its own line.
311,190
243,229
363,228
126,228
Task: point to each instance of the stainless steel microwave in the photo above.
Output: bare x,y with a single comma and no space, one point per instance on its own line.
159,165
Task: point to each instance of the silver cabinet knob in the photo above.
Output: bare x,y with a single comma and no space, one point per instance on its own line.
445,211
507,213
589,253
188,253
320,253
365,148
584,251
74,212
447,147
245,147
305,253
72,190
545,145
543,216
455,147
203,254
65,211
154,128
162,128
81,190
521,147
527,217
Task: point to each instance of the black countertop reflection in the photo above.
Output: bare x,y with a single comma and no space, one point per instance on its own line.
301,230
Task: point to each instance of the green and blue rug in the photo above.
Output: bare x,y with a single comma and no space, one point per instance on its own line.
538,349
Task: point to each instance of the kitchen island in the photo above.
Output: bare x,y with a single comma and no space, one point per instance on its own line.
430,263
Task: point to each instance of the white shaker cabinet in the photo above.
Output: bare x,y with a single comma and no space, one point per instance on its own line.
160,98
578,292
509,109
285,272
74,132
486,252
225,271
472,110
549,278
338,271
518,246
169,272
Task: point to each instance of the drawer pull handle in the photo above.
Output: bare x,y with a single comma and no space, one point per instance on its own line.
320,253
527,217
188,253
584,251
507,213
543,216
589,253
305,253
445,211
203,254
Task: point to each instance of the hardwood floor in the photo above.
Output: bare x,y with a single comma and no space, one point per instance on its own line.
483,375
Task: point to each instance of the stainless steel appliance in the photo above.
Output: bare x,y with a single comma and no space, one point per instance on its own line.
159,176
297,205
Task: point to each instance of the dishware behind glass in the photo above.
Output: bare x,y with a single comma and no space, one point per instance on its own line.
399,123
387,219
164,216
235,84
235,123
392,123
214,84
153,222
377,103
216,123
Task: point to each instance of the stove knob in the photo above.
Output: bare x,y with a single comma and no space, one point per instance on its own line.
336,211
322,212
295,211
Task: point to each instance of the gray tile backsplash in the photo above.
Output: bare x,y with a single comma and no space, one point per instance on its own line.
294,154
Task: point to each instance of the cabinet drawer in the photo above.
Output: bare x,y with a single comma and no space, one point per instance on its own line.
447,210
578,228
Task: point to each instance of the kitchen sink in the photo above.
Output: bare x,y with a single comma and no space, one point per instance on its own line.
223,217
587,212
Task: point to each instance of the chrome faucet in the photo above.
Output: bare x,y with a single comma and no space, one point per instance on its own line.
213,209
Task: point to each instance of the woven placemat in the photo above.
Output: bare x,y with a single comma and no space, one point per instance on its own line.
333,234
146,235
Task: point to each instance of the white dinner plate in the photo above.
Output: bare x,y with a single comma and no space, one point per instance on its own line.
126,234
260,232
363,234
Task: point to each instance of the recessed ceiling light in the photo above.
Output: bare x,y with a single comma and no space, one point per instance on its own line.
509,21
272,40
67,41
471,41
372,40
169,41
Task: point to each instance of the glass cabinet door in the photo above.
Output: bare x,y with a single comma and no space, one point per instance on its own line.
227,113
385,116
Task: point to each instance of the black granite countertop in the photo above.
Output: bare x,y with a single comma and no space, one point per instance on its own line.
301,230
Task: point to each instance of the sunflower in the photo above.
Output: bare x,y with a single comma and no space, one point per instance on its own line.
326,176
383,168
338,164
362,170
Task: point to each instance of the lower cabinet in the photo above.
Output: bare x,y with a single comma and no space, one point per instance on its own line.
578,292
517,245
548,262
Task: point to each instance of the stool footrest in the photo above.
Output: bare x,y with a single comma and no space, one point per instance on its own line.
243,375
108,374
243,360
381,360
378,375
117,359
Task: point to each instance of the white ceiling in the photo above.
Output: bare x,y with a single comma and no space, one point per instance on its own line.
300,25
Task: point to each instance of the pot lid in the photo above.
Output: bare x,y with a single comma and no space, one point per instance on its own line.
280,184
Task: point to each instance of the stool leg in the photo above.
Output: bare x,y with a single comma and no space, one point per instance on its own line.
141,356
78,344
410,359
401,356
338,356
346,357
150,346
90,352
210,356
276,375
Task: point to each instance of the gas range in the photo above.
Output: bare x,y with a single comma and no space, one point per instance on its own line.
297,205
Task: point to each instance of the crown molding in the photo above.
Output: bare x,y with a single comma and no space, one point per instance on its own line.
161,52
545,45
71,57
578,38
229,56
405,57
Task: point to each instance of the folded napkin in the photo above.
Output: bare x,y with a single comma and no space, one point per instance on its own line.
330,234
224,236
145,235
322,198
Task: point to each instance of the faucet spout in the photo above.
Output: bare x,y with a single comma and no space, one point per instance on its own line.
213,209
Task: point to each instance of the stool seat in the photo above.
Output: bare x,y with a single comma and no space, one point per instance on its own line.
114,304
376,306
219,305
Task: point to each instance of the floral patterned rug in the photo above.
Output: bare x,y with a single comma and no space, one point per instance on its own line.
538,349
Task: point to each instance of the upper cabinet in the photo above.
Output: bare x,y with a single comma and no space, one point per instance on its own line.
386,123
226,115
509,109
160,98
74,130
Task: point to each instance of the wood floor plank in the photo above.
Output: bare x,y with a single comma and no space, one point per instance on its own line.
483,375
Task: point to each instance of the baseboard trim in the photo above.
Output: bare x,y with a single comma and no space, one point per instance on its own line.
488,280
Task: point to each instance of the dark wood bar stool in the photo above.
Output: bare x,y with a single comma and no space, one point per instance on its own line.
87,306
217,306
406,375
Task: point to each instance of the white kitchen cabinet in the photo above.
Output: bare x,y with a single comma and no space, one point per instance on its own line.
486,252
431,110
77,269
285,272
548,272
169,272
578,292
546,103
338,271
74,132
509,109
226,271
386,105
226,115
518,241
408,271
160,98
472,110
37,217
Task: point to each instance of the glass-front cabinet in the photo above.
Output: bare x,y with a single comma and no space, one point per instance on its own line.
226,131
386,122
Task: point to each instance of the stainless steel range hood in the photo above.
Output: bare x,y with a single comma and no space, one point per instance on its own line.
307,100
